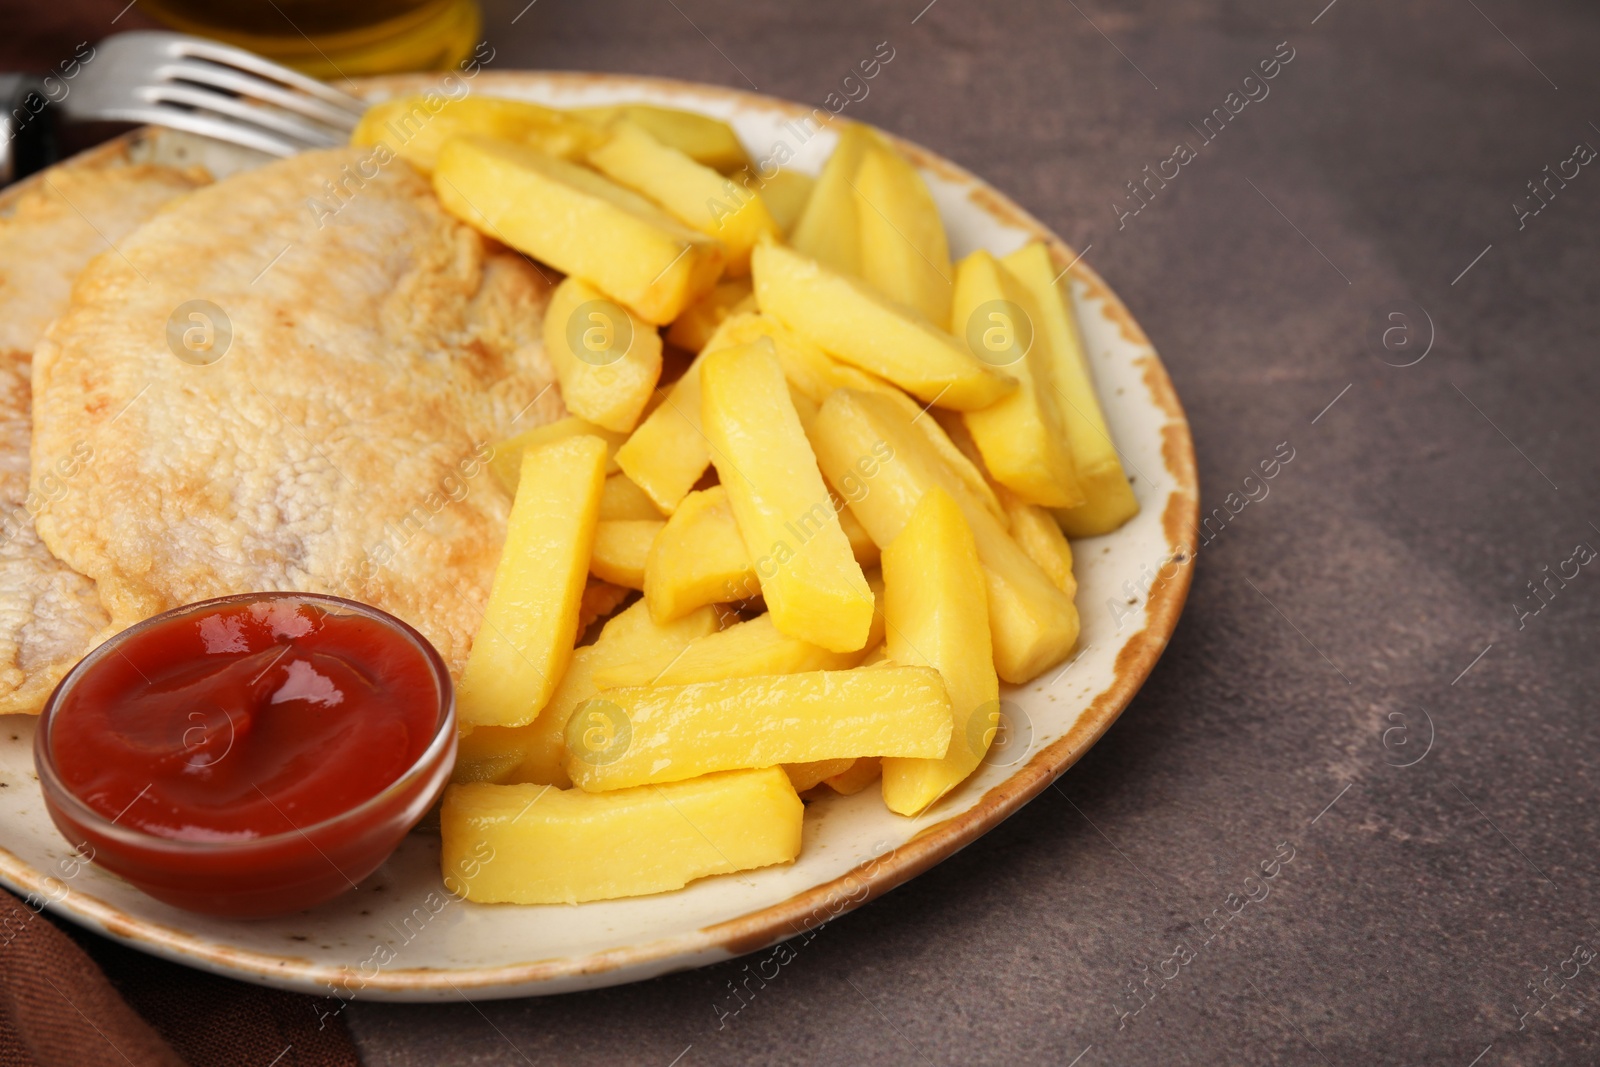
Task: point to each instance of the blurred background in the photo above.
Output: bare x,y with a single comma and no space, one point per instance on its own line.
1389,170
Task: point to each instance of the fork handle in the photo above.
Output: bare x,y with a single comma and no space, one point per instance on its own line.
27,127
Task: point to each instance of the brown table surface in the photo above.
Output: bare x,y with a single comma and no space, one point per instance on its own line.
1374,591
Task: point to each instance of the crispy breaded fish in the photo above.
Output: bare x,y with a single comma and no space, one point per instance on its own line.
293,380
49,613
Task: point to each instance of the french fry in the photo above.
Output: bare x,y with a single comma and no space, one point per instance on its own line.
1035,529
810,580
786,194
804,776
506,463
531,620
694,194
1020,436
698,558
637,736
1109,498
827,229
904,251
579,222
415,127
702,138
558,846
621,548
700,320
606,359
860,774
938,616
1032,623
534,753
621,499
668,453
743,650
853,323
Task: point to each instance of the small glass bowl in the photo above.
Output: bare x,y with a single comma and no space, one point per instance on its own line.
260,876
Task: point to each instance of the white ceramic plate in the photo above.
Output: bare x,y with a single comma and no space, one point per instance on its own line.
401,936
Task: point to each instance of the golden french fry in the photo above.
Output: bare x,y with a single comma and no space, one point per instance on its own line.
579,222
809,578
606,359
860,774
506,463
1020,436
827,229
531,620
534,753
700,320
622,499
621,548
938,616
668,453
1110,501
694,194
533,844
904,252
786,194
804,776
636,736
1032,623
700,137
698,558
852,322
1035,529
415,127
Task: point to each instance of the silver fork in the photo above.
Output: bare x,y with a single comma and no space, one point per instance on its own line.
187,83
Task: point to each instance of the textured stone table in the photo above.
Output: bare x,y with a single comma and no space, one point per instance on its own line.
1374,588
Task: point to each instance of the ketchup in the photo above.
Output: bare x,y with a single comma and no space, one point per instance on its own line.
245,721
249,755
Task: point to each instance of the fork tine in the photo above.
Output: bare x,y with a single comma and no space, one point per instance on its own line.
233,107
247,85
254,64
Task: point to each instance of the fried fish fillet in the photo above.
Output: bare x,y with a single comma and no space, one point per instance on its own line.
49,613
320,422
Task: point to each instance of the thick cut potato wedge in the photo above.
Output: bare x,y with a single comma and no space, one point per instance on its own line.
699,321
695,195
938,616
531,621
1020,436
606,359
743,650
534,753
827,230
809,578
804,776
904,252
623,500
698,558
621,548
1035,529
667,454
860,774
579,222
532,844
852,322
1109,498
702,138
636,736
786,194
1031,622
416,127
506,463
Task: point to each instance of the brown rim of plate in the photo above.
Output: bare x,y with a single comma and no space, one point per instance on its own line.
822,903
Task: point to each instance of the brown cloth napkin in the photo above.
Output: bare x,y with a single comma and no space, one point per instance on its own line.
58,1008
